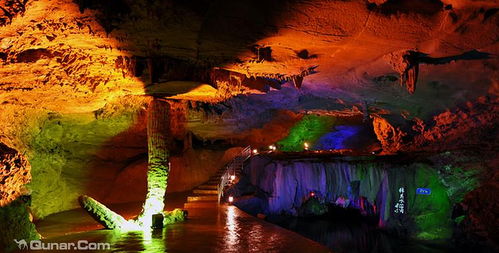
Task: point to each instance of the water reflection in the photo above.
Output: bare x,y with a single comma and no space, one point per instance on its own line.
349,232
210,228
232,230
138,241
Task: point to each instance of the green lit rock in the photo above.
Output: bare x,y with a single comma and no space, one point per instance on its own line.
175,216
102,214
158,167
309,129
61,150
431,213
111,220
15,224
157,179
458,181
312,207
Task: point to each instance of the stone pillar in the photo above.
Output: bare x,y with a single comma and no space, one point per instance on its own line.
158,168
158,141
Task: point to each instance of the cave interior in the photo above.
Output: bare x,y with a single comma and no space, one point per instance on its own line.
197,126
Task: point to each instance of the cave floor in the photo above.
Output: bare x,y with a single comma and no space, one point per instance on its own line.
209,228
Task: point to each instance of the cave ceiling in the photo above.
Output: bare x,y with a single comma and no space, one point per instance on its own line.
411,58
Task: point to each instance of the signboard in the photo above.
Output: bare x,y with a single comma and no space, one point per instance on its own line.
399,207
423,191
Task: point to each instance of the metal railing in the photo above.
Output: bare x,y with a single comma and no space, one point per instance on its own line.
233,168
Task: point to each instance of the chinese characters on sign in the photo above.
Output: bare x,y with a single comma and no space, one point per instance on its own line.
399,207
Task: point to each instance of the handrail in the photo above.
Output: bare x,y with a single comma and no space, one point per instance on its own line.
231,169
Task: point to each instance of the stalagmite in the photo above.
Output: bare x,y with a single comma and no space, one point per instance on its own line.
158,169
157,178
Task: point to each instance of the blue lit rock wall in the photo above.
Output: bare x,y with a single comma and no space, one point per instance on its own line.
283,186
289,184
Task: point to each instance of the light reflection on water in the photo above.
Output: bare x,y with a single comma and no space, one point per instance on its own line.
209,229
138,241
232,230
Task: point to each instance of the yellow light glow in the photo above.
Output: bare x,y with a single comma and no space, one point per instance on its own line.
231,199
151,207
305,145
232,228
232,178
255,151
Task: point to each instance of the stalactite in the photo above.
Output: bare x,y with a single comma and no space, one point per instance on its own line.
409,77
297,81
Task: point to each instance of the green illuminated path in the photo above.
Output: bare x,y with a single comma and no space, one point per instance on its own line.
210,228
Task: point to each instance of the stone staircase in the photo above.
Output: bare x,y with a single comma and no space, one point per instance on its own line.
208,191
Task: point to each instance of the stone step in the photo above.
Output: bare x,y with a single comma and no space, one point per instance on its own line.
196,198
205,192
199,204
208,186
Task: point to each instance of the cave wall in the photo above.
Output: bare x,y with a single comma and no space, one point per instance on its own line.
188,170
15,174
16,223
15,201
72,154
284,186
426,74
103,154
472,124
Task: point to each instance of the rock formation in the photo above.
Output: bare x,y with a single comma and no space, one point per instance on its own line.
15,174
76,77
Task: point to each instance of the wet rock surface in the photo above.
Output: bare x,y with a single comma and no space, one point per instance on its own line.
75,76
15,174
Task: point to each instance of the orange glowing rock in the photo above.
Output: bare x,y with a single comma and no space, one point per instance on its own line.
389,136
14,175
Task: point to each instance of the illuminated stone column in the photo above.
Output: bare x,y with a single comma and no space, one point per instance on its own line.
157,170
158,140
